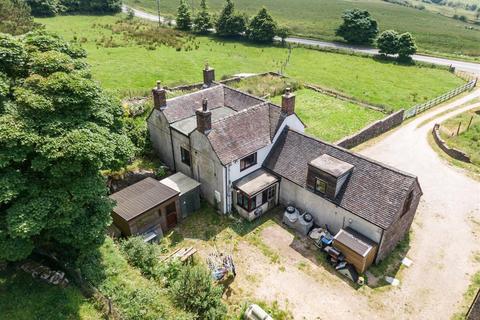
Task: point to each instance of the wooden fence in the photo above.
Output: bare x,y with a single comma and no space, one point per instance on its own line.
419,108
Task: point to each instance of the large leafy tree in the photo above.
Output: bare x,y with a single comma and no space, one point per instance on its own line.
406,46
357,27
58,129
44,8
203,21
230,23
387,42
15,17
184,19
262,27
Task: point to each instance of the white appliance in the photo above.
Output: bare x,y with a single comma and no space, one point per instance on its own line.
290,216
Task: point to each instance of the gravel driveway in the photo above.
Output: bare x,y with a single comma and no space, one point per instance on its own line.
446,229
445,240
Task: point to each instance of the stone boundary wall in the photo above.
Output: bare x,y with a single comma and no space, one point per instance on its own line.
198,86
373,130
452,152
344,97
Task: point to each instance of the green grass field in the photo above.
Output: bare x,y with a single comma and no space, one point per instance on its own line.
25,298
467,140
319,19
132,68
328,118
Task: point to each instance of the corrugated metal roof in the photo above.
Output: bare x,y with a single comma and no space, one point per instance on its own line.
180,183
141,197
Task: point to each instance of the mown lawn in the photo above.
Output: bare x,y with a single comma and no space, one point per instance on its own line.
328,118
133,69
467,140
320,18
25,298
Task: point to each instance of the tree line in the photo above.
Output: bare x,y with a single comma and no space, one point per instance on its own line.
230,23
50,8
359,27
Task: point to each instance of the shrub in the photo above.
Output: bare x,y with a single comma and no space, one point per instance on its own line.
140,254
44,8
262,28
15,17
195,292
357,27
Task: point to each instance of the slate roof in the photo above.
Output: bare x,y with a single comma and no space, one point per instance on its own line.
183,107
245,132
373,191
141,197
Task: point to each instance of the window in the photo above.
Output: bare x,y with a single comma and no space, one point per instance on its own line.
408,203
320,185
248,161
185,154
245,202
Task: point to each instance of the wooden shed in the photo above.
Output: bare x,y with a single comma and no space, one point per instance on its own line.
189,192
357,249
146,207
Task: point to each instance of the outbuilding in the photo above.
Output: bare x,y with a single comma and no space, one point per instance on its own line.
189,192
357,249
147,208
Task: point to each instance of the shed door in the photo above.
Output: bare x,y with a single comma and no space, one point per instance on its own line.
171,215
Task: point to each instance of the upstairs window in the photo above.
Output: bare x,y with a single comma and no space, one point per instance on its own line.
185,155
248,161
320,185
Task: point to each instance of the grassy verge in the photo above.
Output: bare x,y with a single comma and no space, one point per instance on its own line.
472,170
469,295
126,66
319,19
328,118
463,132
22,297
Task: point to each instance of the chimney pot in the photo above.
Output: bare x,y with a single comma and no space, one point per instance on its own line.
288,102
159,97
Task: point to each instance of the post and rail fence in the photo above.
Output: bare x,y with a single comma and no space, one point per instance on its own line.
419,108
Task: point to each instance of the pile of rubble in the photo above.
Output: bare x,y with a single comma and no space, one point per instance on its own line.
44,273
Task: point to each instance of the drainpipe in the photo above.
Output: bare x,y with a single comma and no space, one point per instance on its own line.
227,189
173,151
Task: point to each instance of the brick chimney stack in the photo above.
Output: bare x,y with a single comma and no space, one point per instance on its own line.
204,118
288,103
159,97
208,76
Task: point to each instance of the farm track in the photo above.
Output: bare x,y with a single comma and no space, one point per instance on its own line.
446,230
469,67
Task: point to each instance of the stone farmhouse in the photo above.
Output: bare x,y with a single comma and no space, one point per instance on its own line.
251,155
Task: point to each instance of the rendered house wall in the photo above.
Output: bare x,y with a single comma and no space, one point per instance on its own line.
208,170
180,140
160,137
325,212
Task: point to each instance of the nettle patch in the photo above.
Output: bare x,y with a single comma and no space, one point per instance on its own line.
125,32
